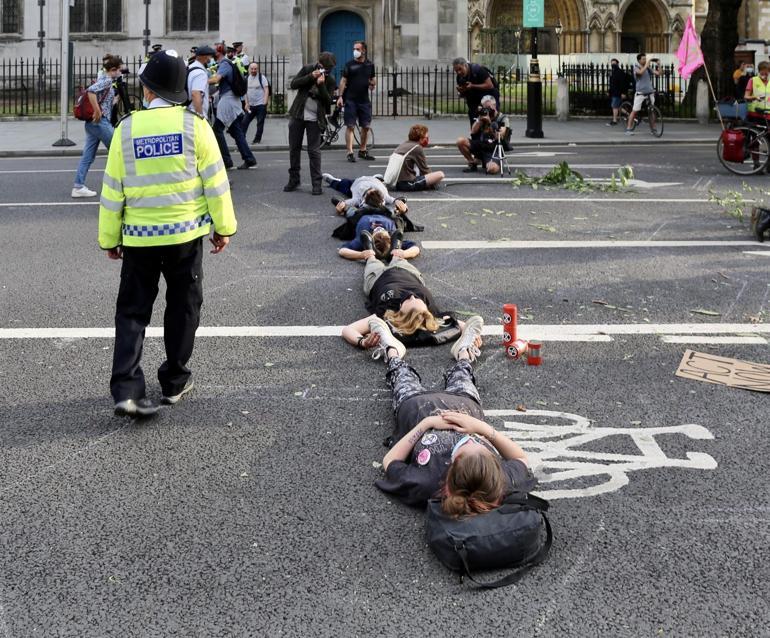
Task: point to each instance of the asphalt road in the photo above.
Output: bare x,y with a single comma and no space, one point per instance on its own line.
249,509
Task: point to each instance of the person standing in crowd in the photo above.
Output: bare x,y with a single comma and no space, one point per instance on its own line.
643,73
198,81
229,113
474,81
240,55
415,161
356,83
617,88
164,189
758,90
257,101
101,95
314,85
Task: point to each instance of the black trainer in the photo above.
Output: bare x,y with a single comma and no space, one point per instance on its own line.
351,158
291,186
136,407
471,168
317,190
247,165
366,239
366,155
396,239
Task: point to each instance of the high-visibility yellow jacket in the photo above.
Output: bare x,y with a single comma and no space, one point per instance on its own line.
760,90
165,182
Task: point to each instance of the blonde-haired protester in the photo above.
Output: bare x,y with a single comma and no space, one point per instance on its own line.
441,446
396,292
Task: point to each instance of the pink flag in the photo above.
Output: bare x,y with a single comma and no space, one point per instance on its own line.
689,54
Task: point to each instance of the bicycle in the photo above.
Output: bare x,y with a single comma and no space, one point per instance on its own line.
648,110
335,122
749,154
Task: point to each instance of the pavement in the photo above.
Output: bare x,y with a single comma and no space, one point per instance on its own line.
249,508
36,136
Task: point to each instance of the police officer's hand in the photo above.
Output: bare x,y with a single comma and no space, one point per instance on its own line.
219,243
115,253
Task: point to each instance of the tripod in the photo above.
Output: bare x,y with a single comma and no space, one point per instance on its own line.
498,155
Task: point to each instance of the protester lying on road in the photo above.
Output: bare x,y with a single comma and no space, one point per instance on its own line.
441,446
377,235
356,191
396,293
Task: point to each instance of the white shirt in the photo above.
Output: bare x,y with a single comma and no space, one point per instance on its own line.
159,102
198,80
256,93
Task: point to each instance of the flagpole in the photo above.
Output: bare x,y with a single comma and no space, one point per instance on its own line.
711,86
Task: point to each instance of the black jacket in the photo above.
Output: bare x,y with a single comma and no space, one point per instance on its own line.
618,81
303,82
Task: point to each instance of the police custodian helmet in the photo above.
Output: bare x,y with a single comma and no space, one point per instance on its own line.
165,74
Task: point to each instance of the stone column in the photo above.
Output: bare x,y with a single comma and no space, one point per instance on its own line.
428,46
562,99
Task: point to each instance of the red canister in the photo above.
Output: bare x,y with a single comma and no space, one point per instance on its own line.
510,317
534,358
517,349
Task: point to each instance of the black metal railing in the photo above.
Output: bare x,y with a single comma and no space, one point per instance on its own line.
589,86
28,87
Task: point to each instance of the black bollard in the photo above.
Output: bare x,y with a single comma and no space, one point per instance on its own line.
534,93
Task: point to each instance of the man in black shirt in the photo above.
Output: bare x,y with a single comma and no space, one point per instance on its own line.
357,80
474,82
618,86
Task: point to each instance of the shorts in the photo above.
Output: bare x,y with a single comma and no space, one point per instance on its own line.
639,100
482,151
418,184
615,102
361,111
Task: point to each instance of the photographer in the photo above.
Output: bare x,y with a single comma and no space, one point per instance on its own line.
474,82
489,129
643,72
314,85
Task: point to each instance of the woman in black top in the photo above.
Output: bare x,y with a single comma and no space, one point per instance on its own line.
397,293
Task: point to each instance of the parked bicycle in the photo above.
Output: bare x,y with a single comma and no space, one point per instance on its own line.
335,122
743,147
648,111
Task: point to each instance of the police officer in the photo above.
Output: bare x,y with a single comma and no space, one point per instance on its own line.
165,188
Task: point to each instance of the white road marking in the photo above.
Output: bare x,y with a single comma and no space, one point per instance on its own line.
711,340
457,156
558,456
592,243
573,200
545,166
545,332
764,253
78,202
51,170
637,183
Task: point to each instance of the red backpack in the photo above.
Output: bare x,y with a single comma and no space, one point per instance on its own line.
83,109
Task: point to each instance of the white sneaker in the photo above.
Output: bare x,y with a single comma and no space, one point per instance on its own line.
328,178
387,340
83,192
467,340
174,398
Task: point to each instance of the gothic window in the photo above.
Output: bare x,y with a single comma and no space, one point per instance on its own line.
96,16
195,15
10,16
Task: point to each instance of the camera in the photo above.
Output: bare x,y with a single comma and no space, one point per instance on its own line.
484,111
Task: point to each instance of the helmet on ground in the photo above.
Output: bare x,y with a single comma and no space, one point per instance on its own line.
165,74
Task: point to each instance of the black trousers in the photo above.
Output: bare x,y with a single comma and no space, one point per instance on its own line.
297,130
182,267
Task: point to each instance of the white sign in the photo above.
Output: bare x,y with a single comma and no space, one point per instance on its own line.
558,455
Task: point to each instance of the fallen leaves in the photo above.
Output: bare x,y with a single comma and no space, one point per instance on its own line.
704,311
544,227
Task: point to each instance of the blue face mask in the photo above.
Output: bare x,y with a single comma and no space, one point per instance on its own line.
145,103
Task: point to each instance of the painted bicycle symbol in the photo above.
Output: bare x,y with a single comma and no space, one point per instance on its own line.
558,453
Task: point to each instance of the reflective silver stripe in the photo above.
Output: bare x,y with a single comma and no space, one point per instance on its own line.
216,191
212,170
189,139
129,163
112,183
169,199
109,204
154,179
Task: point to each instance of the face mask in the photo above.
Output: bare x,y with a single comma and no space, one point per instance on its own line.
356,54
145,103
424,142
749,70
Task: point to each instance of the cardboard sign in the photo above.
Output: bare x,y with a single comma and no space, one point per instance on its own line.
534,13
733,373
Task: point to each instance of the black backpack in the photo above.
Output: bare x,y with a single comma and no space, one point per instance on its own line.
237,81
515,535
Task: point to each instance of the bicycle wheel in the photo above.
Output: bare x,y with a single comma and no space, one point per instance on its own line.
625,110
655,120
752,158
369,137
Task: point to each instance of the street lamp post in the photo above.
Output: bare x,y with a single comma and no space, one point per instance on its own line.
146,32
558,29
64,104
517,33
41,46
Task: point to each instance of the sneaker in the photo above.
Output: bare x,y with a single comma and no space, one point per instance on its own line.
139,407
336,199
629,131
174,398
612,123
473,326
291,186
387,340
247,165
317,190
83,192
366,155
471,168
366,239
329,179
379,176
396,239
351,158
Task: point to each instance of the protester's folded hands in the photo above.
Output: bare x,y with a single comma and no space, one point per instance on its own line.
465,423
370,340
437,422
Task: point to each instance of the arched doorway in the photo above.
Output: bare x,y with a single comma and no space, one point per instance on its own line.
644,29
339,30
505,15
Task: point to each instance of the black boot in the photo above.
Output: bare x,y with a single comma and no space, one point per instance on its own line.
366,239
396,238
762,224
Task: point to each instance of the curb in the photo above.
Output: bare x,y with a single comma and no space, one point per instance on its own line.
76,152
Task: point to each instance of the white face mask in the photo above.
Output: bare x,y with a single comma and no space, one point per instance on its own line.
356,54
